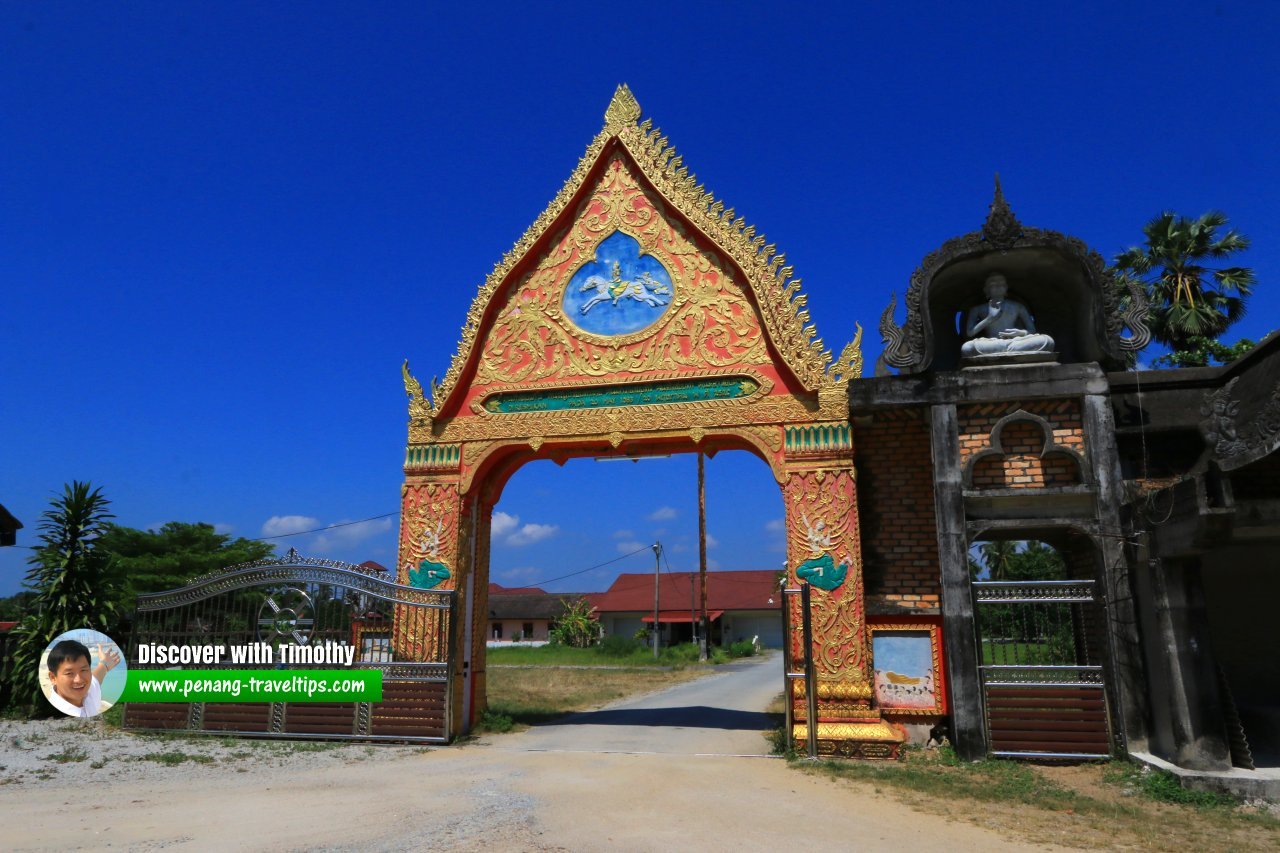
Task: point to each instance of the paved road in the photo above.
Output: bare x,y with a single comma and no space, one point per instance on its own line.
721,714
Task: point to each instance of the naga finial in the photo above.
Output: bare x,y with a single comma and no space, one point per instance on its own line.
623,108
419,405
849,364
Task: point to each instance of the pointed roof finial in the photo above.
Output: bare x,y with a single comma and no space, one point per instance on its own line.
624,108
1002,228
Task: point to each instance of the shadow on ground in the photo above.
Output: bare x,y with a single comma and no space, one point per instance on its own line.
690,717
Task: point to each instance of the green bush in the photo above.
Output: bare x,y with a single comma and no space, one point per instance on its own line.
742,649
679,655
620,647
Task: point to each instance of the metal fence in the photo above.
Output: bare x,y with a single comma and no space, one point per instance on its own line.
298,601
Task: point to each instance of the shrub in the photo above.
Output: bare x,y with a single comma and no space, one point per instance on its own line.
742,649
578,626
620,647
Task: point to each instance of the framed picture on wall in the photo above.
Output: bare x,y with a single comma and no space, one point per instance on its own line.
907,668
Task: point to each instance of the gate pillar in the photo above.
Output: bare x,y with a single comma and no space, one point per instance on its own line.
824,550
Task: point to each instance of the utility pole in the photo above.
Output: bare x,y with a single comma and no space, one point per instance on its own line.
657,565
705,640
693,618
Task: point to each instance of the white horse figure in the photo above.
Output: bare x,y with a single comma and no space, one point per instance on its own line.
645,288
603,292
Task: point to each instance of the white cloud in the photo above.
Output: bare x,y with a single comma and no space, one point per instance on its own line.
712,542
223,528
531,533
624,534
627,546
503,524
777,530
663,513
519,573
713,565
350,534
282,525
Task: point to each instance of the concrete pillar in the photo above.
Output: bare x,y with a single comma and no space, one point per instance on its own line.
1198,728
1126,676
967,725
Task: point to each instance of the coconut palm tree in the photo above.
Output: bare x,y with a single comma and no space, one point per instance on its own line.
1191,302
998,556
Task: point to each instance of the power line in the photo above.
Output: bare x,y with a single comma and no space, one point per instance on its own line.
329,527
590,568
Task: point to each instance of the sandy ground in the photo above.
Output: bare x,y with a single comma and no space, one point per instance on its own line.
516,792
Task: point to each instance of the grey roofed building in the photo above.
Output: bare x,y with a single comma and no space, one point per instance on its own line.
9,527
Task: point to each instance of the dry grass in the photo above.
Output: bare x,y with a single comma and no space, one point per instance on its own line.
1084,806
524,696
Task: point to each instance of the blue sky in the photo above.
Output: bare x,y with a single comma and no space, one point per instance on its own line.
224,225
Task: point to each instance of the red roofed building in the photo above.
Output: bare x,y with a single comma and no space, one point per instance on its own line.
740,605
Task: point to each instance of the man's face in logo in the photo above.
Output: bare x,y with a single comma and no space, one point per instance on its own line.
72,679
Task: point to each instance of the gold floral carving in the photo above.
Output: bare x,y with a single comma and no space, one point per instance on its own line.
623,108
776,294
824,502
429,517
776,409
767,442
878,730
708,323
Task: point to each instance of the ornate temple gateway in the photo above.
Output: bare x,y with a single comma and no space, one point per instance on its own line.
638,316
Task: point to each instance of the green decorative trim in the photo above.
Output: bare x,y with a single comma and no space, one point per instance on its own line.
640,394
819,439
433,456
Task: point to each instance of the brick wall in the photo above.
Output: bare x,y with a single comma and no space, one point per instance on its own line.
895,505
1022,465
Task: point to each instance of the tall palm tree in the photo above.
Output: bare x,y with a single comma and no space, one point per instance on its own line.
1189,299
73,585
998,557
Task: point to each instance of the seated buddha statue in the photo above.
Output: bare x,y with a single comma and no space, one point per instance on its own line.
1001,326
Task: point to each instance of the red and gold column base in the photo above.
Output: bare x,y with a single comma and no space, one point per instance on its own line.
868,739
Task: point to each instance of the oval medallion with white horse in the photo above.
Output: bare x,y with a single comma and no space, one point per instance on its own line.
619,292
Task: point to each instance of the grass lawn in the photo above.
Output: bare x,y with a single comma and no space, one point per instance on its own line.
1112,805
613,652
569,656
519,697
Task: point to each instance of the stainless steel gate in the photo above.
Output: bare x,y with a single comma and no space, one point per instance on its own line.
402,631
1041,654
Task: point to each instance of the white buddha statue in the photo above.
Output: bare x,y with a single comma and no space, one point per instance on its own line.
1002,326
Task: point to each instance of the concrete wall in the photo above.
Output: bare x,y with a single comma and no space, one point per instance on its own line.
1241,588
748,624
511,627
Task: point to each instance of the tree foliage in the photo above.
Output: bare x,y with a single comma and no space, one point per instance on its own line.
156,560
1016,560
1191,301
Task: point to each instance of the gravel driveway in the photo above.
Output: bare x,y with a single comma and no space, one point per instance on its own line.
659,773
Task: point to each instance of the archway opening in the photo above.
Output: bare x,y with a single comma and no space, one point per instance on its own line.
582,529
